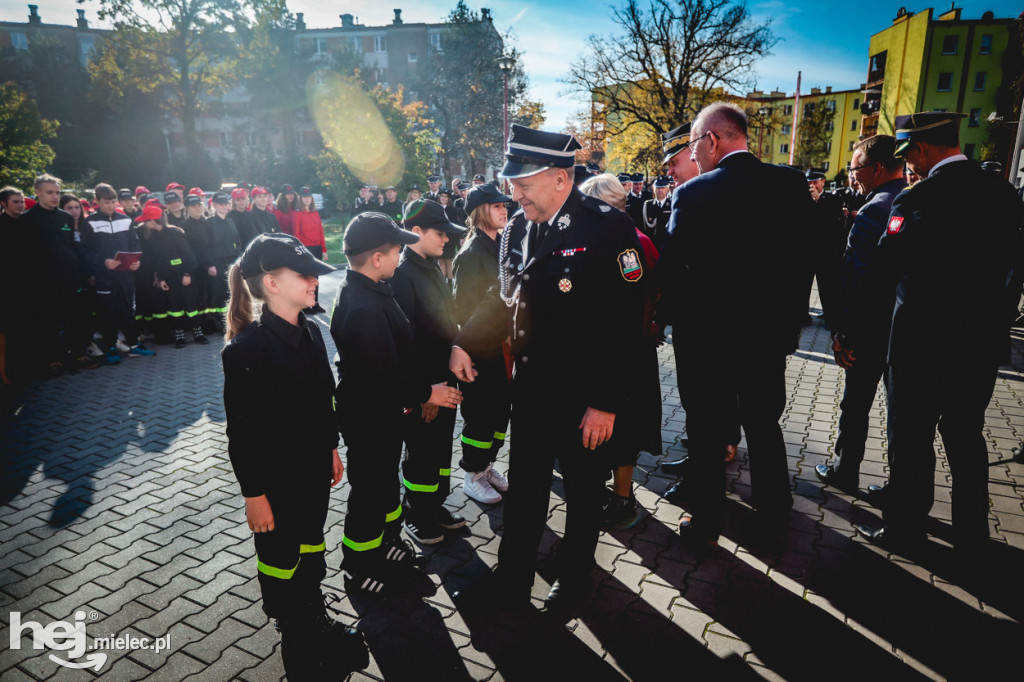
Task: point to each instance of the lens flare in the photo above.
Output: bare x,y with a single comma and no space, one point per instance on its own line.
353,128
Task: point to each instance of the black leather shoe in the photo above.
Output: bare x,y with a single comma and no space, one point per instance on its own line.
694,539
829,475
677,494
885,536
876,495
566,596
678,466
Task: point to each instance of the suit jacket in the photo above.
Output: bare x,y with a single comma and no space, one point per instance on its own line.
735,260
952,249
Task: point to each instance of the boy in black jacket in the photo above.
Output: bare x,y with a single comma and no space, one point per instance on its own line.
173,265
225,246
424,295
376,389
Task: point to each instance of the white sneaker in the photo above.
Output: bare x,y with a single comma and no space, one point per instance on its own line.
496,479
122,347
93,351
477,486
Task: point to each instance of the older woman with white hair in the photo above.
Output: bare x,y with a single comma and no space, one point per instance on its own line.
642,426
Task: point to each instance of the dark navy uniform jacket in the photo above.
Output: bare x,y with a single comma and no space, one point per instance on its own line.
952,247
654,219
424,296
576,308
475,271
276,368
865,298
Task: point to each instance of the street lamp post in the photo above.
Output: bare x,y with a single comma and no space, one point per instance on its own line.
167,141
762,114
506,64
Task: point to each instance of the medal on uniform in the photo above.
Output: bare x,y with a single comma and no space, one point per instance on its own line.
565,285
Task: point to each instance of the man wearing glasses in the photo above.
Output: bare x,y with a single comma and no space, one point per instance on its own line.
860,328
735,286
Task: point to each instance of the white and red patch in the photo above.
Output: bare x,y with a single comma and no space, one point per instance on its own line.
895,224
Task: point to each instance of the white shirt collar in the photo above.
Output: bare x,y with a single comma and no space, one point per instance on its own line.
948,159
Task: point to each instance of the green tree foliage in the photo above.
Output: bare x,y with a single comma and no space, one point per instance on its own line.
465,89
813,134
24,153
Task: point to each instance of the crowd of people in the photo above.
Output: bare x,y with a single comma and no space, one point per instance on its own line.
128,266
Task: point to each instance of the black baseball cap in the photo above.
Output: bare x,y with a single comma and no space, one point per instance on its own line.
125,193
305,192
484,194
270,251
220,198
287,189
171,196
369,230
430,214
193,200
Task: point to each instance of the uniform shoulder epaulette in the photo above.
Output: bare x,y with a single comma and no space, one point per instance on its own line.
595,204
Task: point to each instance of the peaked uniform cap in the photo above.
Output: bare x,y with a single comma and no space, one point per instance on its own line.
675,141
924,126
532,151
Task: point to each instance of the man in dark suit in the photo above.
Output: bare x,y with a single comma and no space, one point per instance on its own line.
952,249
571,300
734,283
829,239
863,310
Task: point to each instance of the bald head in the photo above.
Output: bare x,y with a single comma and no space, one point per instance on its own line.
719,130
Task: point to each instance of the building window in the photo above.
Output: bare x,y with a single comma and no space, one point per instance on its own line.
851,146
250,140
787,110
856,104
19,41
986,44
787,129
825,165
299,138
876,67
949,44
412,57
975,118
435,41
357,45
320,46
87,45
828,148
225,139
969,150
784,148
945,81
853,124
830,126
979,80
831,105
380,43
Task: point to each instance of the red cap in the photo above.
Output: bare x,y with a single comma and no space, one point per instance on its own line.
198,191
259,190
239,193
141,189
30,202
175,185
150,213
153,202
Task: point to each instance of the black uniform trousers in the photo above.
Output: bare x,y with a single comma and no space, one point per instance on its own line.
486,406
954,397
217,288
374,509
426,473
712,386
290,558
67,326
116,297
178,306
855,407
546,431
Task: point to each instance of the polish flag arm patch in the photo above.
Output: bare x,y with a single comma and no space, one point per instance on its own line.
895,224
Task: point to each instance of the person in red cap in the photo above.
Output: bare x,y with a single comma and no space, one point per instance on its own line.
170,260
176,187
286,205
196,191
262,220
309,230
140,190
239,214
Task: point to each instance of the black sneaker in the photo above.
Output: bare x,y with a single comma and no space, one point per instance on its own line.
198,336
402,553
620,512
368,580
346,644
449,521
423,531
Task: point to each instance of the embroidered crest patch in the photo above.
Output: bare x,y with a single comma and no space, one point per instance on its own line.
629,265
895,224
565,285
605,208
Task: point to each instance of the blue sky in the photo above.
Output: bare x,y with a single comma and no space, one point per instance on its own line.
827,41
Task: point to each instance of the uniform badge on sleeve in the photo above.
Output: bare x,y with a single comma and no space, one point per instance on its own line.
895,224
629,265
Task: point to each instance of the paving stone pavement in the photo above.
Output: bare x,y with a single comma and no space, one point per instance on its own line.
118,502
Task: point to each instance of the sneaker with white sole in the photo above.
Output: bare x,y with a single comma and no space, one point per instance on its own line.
423,531
93,351
477,486
122,347
496,479
146,352
449,521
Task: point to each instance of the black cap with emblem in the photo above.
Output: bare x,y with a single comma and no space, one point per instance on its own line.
369,230
675,141
271,251
532,151
430,214
662,181
935,127
814,174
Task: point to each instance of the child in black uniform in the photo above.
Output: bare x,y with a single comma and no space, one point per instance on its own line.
376,389
286,465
